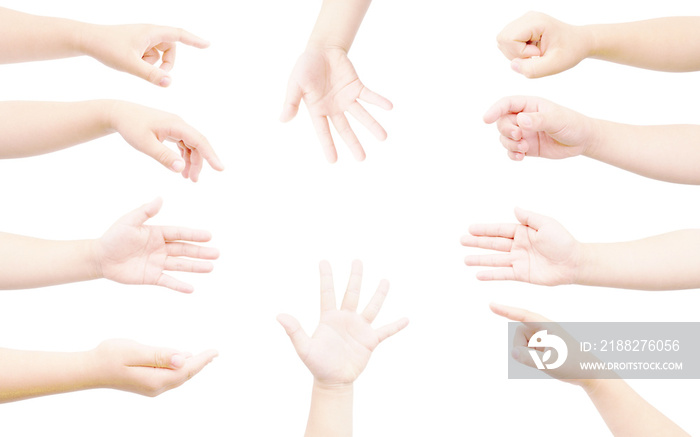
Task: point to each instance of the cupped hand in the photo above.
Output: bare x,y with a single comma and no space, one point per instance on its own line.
146,129
136,48
531,126
328,83
339,349
131,252
130,366
538,250
538,45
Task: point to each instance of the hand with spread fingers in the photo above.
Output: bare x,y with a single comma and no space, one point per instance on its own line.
538,250
339,349
132,252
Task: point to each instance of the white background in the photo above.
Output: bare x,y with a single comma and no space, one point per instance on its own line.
279,208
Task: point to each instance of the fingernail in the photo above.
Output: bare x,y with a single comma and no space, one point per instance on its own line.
515,353
515,65
524,120
177,361
165,81
178,166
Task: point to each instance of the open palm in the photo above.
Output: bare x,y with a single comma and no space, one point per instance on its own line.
339,349
538,251
329,85
131,252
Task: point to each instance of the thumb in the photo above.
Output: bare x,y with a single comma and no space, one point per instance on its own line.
158,151
530,219
296,333
139,216
158,357
522,355
291,101
552,121
151,73
537,66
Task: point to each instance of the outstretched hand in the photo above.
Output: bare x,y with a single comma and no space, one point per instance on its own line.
130,366
136,48
131,252
329,85
145,129
339,349
538,45
531,126
538,250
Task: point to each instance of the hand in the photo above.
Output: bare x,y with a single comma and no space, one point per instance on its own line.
329,85
538,251
570,371
536,127
135,48
146,129
339,349
131,252
129,366
538,45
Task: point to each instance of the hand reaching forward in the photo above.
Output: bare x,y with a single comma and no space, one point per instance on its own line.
131,252
538,45
329,85
129,366
146,129
339,349
135,48
538,250
536,127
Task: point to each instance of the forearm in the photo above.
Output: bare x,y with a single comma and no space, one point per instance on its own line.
626,413
670,153
338,22
663,262
28,374
331,411
35,128
27,262
25,37
666,44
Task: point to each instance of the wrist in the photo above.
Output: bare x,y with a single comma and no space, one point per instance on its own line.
326,45
94,259
83,37
596,137
332,388
589,36
582,261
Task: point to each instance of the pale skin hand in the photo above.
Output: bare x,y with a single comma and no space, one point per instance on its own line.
539,45
623,410
131,252
538,250
117,364
339,349
133,48
326,80
34,128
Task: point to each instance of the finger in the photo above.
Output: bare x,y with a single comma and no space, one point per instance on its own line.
352,293
341,124
367,120
530,219
507,105
387,331
174,284
140,215
174,34
291,101
158,151
517,314
143,69
151,56
507,125
553,121
540,66
168,55
369,96
186,154
191,251
375,304
141,355
175,233
488,260
327,290
191,367
505,230
518,49
522,355
516,156
323,132
514,147
196,165
175,264
502,274
300,340
491,243
193,139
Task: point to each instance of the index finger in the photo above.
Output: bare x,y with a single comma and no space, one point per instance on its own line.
517,314
193,139
173,34
507,105
327,291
